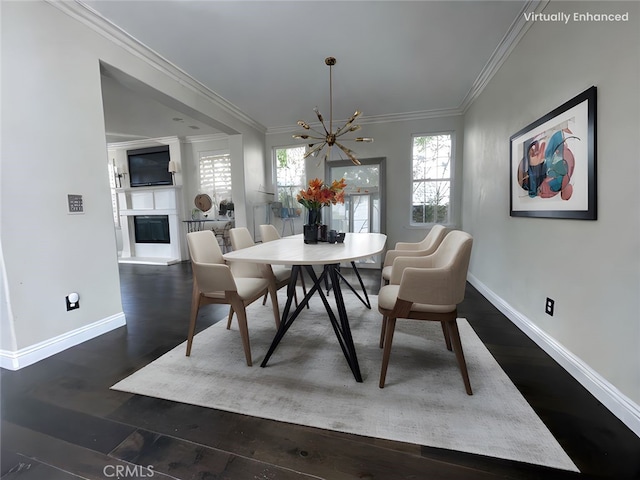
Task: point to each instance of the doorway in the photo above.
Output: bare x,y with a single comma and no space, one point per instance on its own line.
364,207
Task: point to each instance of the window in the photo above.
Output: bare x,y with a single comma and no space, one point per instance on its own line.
290,175
215,176
431,189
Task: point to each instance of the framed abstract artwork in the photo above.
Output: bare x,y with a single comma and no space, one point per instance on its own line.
553,163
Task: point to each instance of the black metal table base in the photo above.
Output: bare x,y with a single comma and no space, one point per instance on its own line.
364,300
340,325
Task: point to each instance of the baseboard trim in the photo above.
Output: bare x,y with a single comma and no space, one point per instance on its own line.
149,260
619,404
15,360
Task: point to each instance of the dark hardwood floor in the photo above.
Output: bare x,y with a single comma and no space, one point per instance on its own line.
61,421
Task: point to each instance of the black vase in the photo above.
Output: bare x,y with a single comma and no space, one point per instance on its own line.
310,230
310,233
315,216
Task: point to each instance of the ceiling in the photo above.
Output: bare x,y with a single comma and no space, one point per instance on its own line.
394,58
131,114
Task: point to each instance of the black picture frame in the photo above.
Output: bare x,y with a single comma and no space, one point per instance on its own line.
552,171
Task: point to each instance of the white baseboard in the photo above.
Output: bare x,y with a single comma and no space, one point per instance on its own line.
618,403
149,260
15,360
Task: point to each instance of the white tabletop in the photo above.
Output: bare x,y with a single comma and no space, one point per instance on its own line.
293,251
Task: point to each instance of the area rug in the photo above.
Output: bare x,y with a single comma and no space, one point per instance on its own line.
308,382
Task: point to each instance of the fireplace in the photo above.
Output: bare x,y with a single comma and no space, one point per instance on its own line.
151,228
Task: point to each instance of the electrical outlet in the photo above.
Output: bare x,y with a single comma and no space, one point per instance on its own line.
74,302
548,307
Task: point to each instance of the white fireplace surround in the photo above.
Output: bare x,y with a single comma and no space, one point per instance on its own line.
150,201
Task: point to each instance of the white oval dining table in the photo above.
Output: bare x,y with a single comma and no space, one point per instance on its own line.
294,252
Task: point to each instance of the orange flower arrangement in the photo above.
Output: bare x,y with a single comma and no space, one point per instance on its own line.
320,195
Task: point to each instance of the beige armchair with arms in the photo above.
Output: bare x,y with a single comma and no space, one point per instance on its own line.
214,283
268,233
419,249
276,274
428,288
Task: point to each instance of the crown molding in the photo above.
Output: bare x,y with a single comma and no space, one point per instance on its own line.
205,138
372,119
515,33
409,116
96,22
145,142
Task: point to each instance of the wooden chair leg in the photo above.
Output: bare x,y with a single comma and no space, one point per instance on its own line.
274,304
390,328
447,338
454,334
230,318
295,297
195,307
244,329
382,330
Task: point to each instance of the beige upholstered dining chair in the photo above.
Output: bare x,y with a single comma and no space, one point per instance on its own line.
269,233
214,283
419,249
276,274
428,288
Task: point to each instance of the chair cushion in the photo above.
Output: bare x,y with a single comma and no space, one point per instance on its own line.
250,287
247,287
219,295
389,293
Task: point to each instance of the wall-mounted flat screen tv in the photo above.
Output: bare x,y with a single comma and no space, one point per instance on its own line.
149,166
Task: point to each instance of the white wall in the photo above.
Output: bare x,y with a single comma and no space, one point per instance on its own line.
53,144
590,268
8,337
254,176
393,140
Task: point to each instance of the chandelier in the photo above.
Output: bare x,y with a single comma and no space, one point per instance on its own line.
330,138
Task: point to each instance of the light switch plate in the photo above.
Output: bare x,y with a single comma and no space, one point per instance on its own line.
75,204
